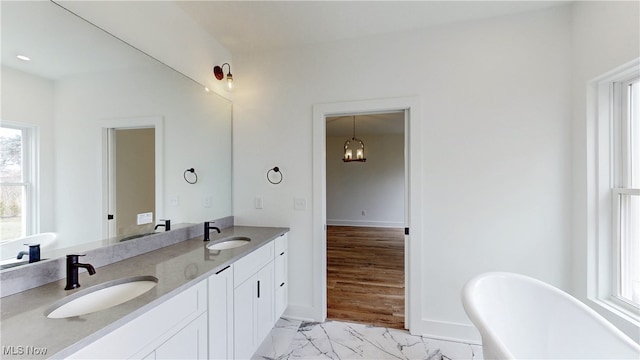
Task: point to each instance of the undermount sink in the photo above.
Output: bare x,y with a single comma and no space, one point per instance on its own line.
229,243
100,297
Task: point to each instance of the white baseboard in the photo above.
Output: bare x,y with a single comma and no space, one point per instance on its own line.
303,313
450,331
364,223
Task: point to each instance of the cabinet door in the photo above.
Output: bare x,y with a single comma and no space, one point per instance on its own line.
244,314
221,314
265,296
253,312
188,343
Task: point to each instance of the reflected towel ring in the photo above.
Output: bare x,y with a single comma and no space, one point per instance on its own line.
277,171
193,171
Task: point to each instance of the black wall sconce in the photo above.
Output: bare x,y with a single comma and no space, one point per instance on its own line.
219,74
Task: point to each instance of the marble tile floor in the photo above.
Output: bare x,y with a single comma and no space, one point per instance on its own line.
292,339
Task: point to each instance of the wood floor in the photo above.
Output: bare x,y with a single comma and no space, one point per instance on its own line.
365,275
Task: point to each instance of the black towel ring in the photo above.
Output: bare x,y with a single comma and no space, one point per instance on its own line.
193,171
277,171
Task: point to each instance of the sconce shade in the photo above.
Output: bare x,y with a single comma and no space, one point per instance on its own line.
217,71
219,74
354,147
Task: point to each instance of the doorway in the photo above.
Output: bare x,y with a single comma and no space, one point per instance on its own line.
413,213
365,196
132,175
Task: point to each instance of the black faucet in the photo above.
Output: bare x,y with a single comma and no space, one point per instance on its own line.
207,228
72,271
34,253
166,225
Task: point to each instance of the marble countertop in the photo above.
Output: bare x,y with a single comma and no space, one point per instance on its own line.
177,267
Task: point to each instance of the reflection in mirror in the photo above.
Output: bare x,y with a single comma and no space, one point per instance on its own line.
79,83
131,169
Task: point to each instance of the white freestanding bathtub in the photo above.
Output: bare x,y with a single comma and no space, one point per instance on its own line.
523,318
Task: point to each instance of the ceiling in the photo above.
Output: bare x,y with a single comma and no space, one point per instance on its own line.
254,26
58,43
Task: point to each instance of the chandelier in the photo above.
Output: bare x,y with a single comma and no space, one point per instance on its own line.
354,147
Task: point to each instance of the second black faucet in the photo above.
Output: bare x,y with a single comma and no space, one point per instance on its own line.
207,228
166,225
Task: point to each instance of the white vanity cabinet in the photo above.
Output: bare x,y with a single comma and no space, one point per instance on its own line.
176,326
253,300
281,263
221,314
226,316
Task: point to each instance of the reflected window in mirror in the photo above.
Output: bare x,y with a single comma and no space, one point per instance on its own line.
17,180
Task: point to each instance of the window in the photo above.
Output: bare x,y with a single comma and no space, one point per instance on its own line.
615,191
17,200
626,190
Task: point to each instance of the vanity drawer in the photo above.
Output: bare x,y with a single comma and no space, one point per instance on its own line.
250,264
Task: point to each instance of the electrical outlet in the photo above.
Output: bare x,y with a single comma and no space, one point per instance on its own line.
364,212
258,202
144,218
300,203
206,202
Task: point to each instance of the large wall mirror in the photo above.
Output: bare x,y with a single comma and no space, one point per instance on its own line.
68,103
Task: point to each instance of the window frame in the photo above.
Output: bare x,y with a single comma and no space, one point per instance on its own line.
622,178
30,175
606,185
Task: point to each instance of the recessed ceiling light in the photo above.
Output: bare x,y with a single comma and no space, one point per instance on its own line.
23,58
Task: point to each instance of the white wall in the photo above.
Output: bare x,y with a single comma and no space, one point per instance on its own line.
30,102
375,186
496,145
605,36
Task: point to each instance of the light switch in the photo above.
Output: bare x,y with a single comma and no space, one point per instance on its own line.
258,202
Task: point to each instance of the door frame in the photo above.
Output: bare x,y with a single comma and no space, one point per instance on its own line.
108,176
413,175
